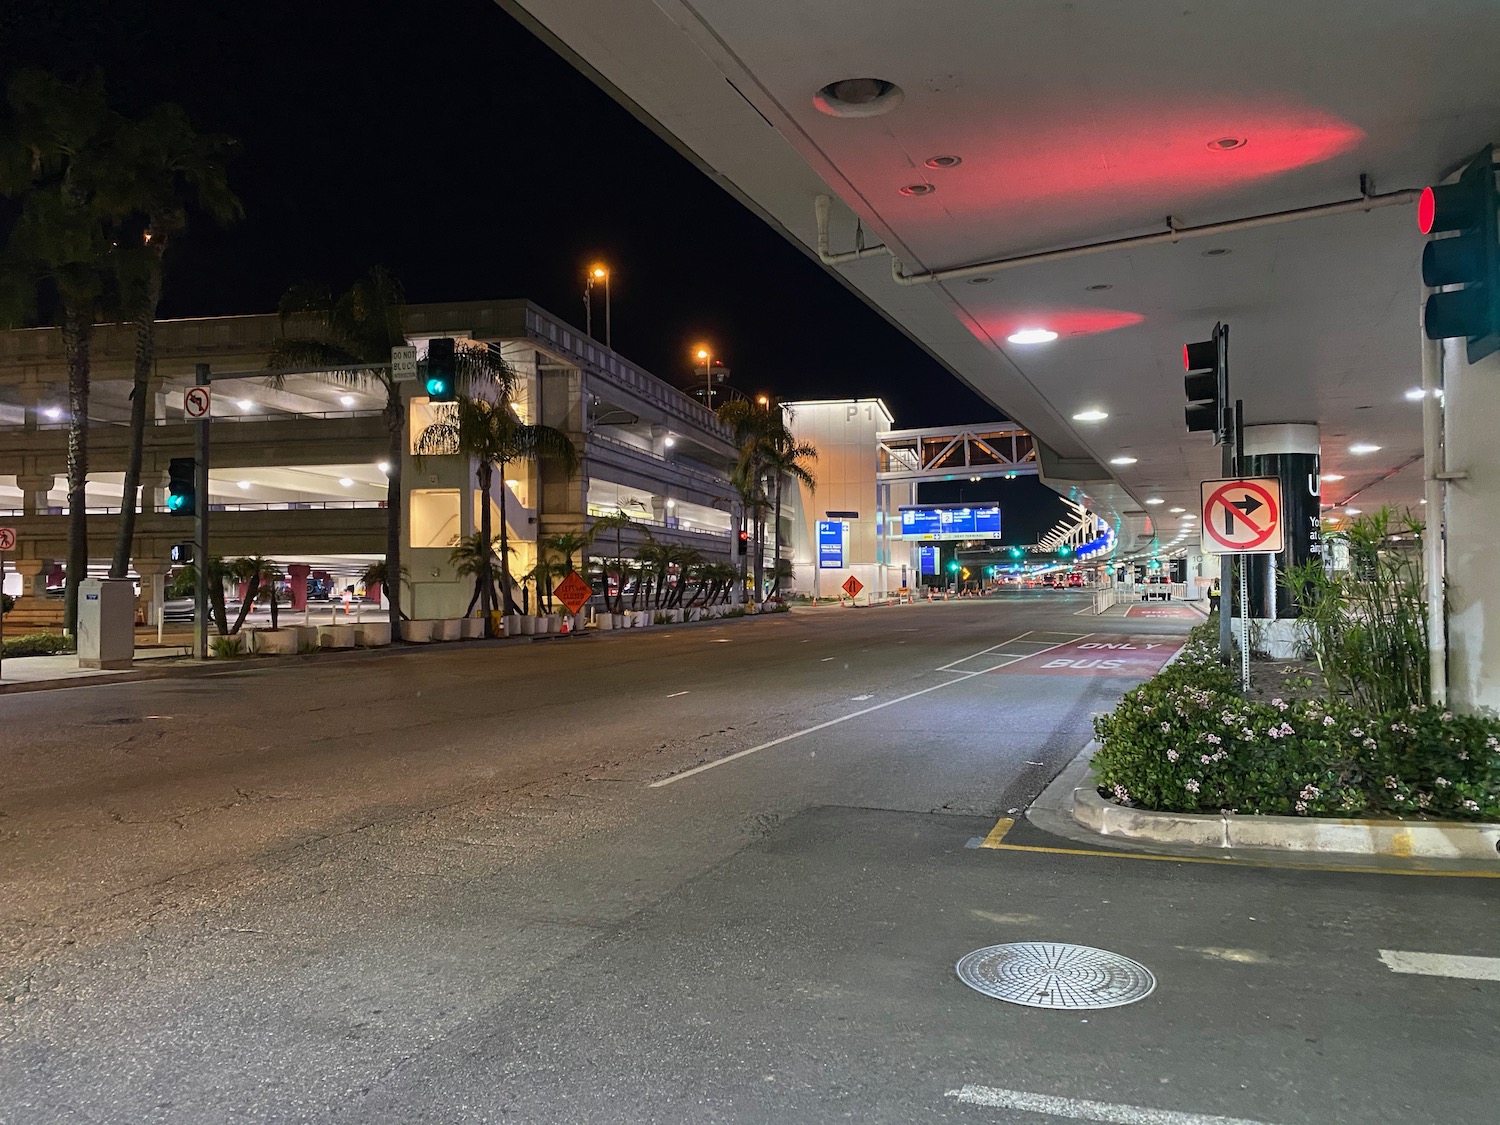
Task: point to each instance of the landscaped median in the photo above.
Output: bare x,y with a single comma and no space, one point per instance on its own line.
1186,759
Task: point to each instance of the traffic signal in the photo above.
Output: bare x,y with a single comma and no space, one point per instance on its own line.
1017,552
743,542
953,566
441,386
1470,257
182,486
1206,383
1065,550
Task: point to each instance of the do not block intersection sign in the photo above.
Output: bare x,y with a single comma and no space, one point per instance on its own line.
1242,516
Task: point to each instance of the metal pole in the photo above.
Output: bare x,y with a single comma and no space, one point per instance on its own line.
2,615
608,335
708,382
1244,625
1433,563
588,307
200,526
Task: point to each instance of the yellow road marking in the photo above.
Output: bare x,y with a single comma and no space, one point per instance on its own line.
994,841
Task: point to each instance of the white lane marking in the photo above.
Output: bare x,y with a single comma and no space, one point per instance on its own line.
675,694
861,698
826,659
1080,1109
964,677
721,640
982,652
1441,965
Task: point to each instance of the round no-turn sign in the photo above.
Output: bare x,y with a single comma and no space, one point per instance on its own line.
197,402
1242,516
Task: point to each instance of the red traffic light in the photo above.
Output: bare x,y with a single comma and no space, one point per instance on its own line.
1426,210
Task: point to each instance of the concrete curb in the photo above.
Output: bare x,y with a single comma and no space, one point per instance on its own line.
1437,839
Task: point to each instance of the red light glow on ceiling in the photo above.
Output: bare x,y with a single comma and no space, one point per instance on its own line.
1064,321
1123,157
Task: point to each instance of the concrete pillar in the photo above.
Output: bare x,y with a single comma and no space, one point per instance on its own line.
33,579
1288,452
296,574
1471,419
562,502
34,488
152,571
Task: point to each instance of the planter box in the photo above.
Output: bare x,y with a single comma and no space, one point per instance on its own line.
674,616
373,634
554,623
472,628
336,636
417,632
513,624
578,622
278,642
606,622
448,629
642,619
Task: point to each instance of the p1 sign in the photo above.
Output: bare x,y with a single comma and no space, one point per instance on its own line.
831,535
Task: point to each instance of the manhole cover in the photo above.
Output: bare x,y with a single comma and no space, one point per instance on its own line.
1049,974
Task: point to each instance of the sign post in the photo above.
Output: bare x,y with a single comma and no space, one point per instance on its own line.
7,543
852,586
1243,516
197,403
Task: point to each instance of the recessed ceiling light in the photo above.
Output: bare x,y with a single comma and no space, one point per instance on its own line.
245,404
1216,252
1363,447
918,189
346,400
1122,460
1176,511
858,97
243,484
943,161
1155,500
669,441
671,503
513,482
52,412
1352,511
1416,394
345,482
980,280
384,466
1226,144
1333,476
1090,416
1032,336
1189,518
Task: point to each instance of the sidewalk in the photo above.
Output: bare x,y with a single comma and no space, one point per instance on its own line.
31,673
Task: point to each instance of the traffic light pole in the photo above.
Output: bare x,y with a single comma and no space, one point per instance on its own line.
200,527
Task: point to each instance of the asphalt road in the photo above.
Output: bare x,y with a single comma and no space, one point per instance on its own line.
716,873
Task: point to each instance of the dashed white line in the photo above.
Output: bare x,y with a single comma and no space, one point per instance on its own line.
1441,965
861,698
675,694
1080,1109
826,659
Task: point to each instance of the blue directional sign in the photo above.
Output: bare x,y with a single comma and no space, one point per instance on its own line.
830,544
929,564
956,522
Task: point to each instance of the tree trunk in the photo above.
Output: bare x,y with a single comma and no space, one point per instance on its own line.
145,356
77,335
620,568
776,540
487,536
395,421
508,602
252,588
275,621
216,600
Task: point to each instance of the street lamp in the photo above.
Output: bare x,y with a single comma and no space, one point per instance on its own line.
597,273
762,400
708,375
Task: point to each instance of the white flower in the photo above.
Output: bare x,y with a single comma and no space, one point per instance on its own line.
1121,793
1171,755
1442,782
1472,806
1328,720
1204,758
1310,792
1302,806
1165,727
1447,716
1356,732
1191,785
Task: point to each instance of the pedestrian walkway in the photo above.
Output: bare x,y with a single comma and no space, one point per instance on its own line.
22,672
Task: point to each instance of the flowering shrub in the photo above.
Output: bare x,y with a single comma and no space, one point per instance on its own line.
1186,741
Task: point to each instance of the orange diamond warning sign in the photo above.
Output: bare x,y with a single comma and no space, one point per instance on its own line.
853,586
573,592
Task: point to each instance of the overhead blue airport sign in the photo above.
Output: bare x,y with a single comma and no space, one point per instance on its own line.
955,522
831,536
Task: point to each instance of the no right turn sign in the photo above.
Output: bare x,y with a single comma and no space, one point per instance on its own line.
1242,516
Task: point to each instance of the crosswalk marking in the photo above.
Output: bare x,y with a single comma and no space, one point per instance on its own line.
1081,1109
1441,965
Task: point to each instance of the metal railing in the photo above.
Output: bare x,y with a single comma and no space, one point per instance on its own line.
679,466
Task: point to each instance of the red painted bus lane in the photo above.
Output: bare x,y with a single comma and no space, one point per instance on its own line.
1100,655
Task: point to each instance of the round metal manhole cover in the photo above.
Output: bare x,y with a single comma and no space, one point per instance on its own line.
1050,974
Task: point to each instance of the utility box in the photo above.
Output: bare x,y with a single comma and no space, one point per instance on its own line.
106,622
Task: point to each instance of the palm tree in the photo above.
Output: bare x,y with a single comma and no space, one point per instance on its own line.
185,581
253,571
374,574
783,456
489,432
617,521
165,168
471,559
751,426
55,156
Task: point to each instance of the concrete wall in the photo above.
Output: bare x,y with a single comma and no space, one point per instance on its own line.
844,434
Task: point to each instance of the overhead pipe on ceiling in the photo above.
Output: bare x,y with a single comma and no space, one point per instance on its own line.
1174,233
820,208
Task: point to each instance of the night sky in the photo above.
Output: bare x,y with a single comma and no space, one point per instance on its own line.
446,143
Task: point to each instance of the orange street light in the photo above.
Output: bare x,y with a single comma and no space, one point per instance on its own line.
596,273
763,400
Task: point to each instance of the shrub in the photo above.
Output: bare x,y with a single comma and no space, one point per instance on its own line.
38,644
224,647
1186,741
